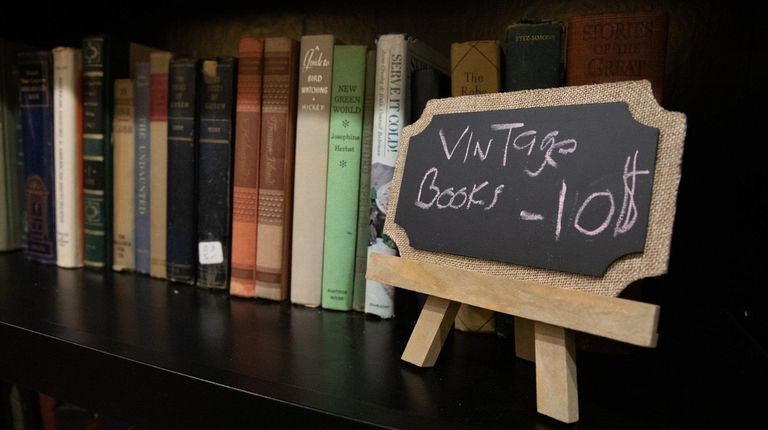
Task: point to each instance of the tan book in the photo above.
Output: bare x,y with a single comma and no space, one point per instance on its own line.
475,70
278,122
123,168
159,65
312,126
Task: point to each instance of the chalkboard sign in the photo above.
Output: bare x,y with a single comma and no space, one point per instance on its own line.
566,188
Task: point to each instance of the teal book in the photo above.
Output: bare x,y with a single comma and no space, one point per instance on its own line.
104,59
344,148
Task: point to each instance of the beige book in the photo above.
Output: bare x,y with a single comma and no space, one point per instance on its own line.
68,150
123,168
312,126
159,65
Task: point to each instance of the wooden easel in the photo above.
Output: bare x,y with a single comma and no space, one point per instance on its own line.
556,313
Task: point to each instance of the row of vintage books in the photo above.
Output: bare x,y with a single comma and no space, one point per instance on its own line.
267,174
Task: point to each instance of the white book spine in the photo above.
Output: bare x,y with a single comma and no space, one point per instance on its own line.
68,155
311,168
389,115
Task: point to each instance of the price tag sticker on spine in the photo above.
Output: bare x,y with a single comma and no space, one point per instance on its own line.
210,252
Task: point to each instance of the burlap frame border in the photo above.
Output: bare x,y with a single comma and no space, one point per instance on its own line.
643,107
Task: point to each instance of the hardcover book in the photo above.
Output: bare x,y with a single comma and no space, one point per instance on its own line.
104,59
309,190
159,64
612,47
123,172
214,208
534,55
246,181
11,164
341,204
141,165
364,197
181,249
36,110
278,122
475,67
68,147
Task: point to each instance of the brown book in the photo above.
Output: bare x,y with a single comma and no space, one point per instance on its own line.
278,122
475,70
246,187
614,47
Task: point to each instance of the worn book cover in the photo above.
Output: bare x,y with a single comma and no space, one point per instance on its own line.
341,203
123,253
475,67
159,65
246,165
141,161
309,189
217,88
278,122
622,46
36,106
181,233
534,55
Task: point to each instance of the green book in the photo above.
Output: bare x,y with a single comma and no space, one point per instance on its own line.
344,148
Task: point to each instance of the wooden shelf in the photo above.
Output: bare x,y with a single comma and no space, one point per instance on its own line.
163,355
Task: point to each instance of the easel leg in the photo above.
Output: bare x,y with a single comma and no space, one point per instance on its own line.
556,388
524,343
433,326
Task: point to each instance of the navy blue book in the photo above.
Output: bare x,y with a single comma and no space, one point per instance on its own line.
214,208
181,245
36,113
141,160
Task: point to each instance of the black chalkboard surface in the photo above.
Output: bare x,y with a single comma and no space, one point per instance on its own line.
566,188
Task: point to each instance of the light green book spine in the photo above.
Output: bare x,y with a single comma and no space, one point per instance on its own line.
341,204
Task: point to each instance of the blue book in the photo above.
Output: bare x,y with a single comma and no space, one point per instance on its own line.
181,244
36,112
216,126
141,160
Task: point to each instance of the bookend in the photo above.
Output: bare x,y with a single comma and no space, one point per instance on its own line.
556,313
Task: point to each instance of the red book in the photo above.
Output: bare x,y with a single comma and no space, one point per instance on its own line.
614,47
246,187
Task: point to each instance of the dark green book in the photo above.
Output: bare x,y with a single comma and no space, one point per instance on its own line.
104,60
534,55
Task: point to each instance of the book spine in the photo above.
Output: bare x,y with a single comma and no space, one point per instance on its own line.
341,204
364,197
97,153
475,69
217,106
181,250
68,148
534,55
616,47
312,126
159,63
246,180
11,169
141,165
36,110
123,252
276,164
390,114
